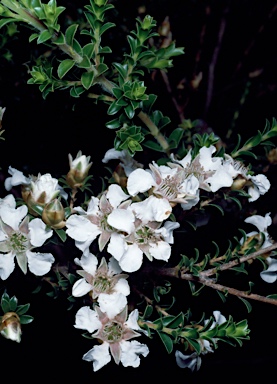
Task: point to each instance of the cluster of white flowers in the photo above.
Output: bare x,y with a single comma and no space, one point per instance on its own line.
128,223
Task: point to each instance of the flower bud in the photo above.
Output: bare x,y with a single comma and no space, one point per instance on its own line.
238,184
10,326
53,214
79,168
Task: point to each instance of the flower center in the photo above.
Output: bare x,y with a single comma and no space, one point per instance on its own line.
113,332
144,235
102,284
19,242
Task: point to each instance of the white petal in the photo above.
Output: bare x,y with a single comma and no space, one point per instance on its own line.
6,265
170,226
152,209
117,246
193,361
87,319
89,263
270,275
132,321
81,288
8,200
116,195
39,263
81,229
13,217
131,351
122,286
122,219
17,179
220,179
93,206
112,304
219,318
262,223
208,162
185,161
160,251
39,233
254,193
261,182
139,181
113,266
99,355
131,260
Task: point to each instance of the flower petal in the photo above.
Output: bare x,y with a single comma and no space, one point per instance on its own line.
139,181
87,319
131,351
81,288
7,265
99,355
39,263
39,233
112,304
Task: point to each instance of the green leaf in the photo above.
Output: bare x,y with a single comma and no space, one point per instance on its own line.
61,233
129,111
44,36
60,40
76,91
6,21
88,50
273,296
153,145
33,37
13,303
105,27
247,304
148,311
113,124
167,341
21,309
64,67
216,206
87,79
5,304
175,137
26,319
85,63
70,33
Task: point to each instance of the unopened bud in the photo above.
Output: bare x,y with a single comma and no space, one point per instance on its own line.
238,184
79,168
10,326
53,214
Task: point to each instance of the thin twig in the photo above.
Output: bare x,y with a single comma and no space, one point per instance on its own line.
242,259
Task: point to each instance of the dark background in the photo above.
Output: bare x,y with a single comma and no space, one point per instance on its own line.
233,44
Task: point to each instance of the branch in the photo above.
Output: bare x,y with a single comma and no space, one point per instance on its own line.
242,259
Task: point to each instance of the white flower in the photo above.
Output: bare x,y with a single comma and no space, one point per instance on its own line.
115,334
148,238
260,186
103,217
17,178
18,237
192,361
106,283
270,274
211,171
128,163
261,223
